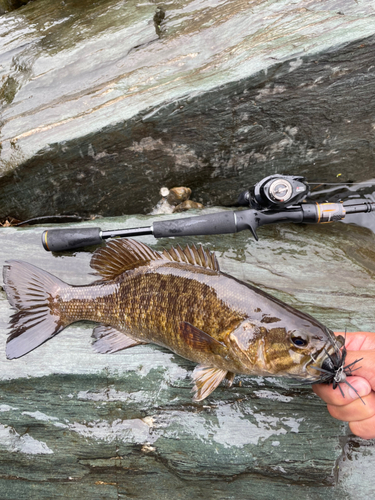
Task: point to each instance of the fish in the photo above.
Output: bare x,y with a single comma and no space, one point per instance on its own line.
178,299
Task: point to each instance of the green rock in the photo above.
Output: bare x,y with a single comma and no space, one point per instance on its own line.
80,425
103,103
9,5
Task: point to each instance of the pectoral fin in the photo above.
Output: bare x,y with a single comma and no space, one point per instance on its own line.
199,340
206,379
109,340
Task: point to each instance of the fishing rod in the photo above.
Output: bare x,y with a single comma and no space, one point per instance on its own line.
276,198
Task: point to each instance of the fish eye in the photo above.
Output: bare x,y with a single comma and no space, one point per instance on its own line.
299,341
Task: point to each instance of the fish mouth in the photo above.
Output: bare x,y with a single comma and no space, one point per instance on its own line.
329,352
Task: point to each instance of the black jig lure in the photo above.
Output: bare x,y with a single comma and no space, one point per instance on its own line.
334,371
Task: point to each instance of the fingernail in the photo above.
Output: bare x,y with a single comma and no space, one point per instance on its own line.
362,387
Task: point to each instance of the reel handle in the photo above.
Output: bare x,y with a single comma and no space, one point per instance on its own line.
219,223
60,240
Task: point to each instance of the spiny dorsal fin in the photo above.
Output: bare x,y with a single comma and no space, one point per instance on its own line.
122,255
193,255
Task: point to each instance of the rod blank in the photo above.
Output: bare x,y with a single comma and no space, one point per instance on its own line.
59,240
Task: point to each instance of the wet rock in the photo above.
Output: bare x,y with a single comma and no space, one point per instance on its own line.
162,207
9,5
77,424
103,102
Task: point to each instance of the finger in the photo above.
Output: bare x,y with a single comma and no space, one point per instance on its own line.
365,429
360,387
355,410
364,368
358,341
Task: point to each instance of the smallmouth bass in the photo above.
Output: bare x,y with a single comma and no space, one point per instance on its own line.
178,299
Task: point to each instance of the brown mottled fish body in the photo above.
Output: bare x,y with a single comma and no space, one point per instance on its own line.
149,303
177,299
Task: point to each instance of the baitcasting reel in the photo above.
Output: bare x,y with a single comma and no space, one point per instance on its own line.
277,198
275,191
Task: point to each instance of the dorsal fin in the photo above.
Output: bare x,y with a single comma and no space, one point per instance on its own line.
122,255
193,255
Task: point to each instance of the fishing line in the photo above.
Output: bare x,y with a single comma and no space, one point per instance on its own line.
369,183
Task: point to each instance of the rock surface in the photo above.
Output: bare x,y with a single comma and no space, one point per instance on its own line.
9,5
103,103
80,425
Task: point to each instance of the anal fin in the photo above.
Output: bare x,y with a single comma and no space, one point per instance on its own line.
206,379
109,340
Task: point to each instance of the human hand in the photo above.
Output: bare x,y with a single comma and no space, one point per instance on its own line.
361,417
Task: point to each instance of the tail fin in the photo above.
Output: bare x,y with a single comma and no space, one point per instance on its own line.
32,292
